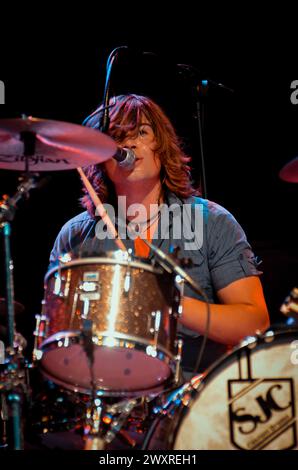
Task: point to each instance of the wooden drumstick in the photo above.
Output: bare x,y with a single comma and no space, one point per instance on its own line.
101,210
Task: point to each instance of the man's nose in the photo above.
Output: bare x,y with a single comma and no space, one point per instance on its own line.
130,142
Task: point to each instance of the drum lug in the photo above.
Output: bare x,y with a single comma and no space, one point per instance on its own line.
127,282
249,342
127,277
269,336
179,281
58,285
40,333
179,345
155,317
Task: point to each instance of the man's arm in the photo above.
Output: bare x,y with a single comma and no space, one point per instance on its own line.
242,312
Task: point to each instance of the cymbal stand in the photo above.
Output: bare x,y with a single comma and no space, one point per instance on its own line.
14,378
7,212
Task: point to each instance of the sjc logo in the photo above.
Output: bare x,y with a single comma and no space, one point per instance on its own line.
294,94
2,93
262,414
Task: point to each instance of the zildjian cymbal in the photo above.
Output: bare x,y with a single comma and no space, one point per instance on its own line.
51,145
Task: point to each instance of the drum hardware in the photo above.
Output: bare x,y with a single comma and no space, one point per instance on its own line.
172,401
13,381
127,279
104,422
268,336
178,358
4,421
178,311
40,332
14,392
154,329
168,403
179,281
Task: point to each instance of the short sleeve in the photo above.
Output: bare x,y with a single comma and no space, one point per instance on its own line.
61,246
230,255
76,235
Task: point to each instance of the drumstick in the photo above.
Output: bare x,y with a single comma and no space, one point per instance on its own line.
101,210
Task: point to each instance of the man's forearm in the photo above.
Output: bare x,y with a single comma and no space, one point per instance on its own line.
228,323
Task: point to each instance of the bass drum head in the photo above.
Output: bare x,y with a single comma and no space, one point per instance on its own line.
248,399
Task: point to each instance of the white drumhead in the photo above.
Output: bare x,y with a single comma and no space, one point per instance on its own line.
238,408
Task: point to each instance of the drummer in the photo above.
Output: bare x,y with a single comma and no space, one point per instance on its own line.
220,257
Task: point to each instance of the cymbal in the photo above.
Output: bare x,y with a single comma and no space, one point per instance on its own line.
18,308
289,172
58,145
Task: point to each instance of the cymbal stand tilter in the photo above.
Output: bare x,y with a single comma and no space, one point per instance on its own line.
13,379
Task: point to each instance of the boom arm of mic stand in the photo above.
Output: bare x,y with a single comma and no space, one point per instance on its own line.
165,260
175,268
104,122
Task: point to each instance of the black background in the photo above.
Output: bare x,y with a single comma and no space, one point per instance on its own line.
53,67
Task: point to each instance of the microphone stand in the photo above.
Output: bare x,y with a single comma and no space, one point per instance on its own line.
200,91
104,121
200,105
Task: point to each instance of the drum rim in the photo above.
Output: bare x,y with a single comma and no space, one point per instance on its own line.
74,336
150,391
162,355
103,261
265,339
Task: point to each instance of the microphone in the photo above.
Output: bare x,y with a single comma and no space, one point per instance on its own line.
125,158
194,73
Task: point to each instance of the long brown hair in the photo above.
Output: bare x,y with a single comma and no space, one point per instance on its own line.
125,114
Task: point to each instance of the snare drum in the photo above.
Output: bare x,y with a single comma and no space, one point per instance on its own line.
129,306
247,400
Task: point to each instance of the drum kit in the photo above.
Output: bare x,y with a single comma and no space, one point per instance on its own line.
105,371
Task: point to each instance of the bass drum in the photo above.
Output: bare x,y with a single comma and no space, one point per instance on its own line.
247,400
